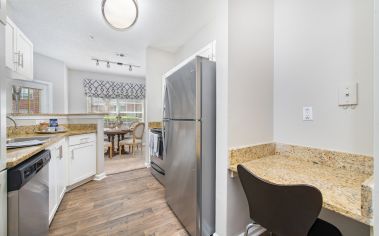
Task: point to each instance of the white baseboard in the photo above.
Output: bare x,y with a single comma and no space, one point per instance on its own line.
100,176
147,165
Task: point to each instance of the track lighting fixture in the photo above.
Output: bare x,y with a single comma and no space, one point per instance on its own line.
108,63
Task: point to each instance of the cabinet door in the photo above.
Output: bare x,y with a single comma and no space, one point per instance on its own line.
61,171
82,162
53,204
12,57
25,48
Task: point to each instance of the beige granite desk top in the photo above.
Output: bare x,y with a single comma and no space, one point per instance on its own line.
16,156
340,188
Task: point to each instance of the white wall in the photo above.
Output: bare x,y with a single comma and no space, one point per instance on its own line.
158,62
76,98
250,72
53,71
376,123
250,108
320,45
198,41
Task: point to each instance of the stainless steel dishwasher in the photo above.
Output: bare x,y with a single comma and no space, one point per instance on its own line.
28,197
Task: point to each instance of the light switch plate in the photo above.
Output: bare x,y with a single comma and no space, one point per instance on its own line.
348,94
307,113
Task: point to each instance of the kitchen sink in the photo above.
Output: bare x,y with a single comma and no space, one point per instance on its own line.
17,140
26,142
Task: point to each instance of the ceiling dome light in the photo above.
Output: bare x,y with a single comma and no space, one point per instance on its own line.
120,14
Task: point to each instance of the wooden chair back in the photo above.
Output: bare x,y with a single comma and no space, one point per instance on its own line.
138,131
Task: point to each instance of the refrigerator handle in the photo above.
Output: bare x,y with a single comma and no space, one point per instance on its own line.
166,103
164,137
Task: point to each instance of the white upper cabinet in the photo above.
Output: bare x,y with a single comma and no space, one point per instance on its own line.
10,45
18,53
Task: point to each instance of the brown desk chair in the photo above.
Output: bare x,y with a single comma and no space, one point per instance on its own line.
284,210
136,139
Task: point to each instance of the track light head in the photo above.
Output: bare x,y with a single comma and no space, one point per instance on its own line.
97,63
130,68
108,65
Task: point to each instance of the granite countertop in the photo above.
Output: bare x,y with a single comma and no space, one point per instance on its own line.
16,156
58,114
340,188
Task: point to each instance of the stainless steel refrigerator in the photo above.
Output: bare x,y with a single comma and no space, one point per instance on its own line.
189,134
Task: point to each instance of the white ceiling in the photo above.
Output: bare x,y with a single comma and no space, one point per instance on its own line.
61,29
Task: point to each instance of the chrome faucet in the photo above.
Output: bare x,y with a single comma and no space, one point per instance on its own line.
14,122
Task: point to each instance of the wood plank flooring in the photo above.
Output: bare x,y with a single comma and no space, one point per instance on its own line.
129,203
122,163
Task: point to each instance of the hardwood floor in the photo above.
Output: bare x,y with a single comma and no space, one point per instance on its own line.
129,203
122,163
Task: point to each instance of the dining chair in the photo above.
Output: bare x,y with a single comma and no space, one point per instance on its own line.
108,147
136,140
284,210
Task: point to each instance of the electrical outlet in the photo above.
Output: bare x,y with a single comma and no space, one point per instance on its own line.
307,113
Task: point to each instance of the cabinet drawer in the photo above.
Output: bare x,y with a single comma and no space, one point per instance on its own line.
81,139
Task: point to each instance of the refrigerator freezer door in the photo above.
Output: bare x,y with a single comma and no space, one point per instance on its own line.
180,93
181,194
3,202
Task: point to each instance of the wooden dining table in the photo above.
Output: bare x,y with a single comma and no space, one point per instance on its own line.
120,133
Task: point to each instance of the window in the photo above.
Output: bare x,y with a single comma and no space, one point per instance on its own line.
129,110
27,101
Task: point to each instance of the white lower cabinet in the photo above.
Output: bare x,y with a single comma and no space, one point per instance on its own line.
83,158
62,169
57,176
72,160
52,185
